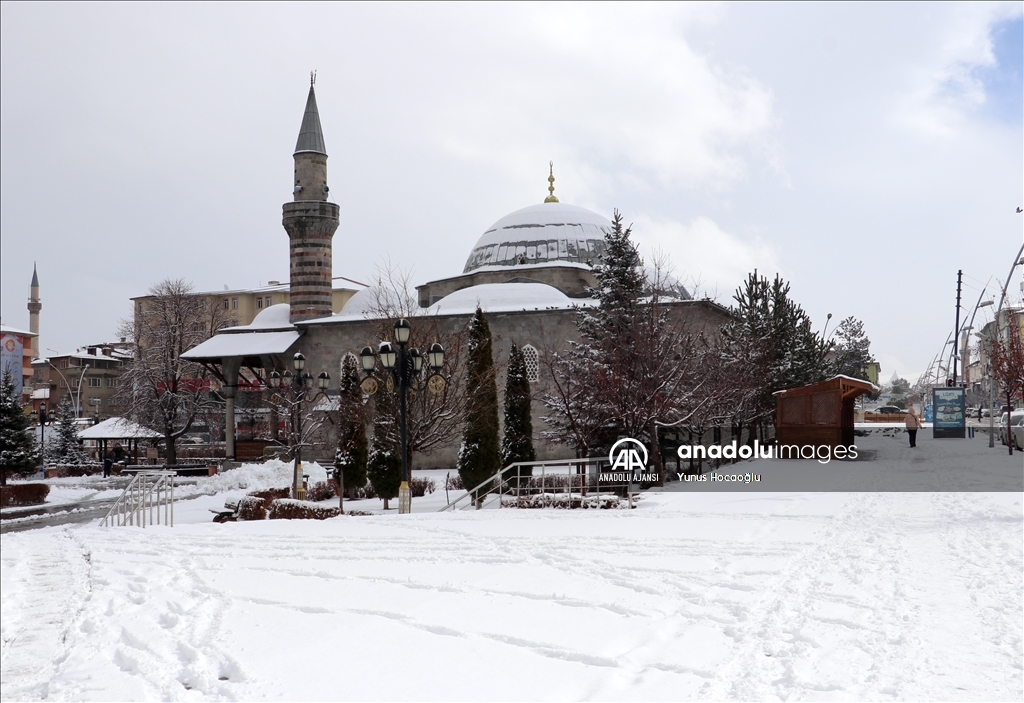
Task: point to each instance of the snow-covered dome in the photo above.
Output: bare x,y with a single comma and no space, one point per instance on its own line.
365,301
503,297
273,318
541,234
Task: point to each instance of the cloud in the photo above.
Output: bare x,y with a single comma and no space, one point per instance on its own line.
703,252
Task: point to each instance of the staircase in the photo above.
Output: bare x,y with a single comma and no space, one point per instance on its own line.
149,494
559,483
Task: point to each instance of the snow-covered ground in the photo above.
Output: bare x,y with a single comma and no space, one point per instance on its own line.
694,595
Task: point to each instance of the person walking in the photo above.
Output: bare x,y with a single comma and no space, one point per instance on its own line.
108,464
913,425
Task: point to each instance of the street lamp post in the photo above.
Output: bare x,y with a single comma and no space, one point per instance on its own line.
404,366
78,390
298,384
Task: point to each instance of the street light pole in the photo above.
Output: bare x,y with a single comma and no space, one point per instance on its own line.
404,365
298,385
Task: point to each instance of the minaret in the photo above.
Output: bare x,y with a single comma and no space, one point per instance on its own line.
34,306
310,221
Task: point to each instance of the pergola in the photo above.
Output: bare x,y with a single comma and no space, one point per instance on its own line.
119,429
820,414
255,347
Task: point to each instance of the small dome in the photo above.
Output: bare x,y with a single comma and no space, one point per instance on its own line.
503,297
365,302
541,234
272,318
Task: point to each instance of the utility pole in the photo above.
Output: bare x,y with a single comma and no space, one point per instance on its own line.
959,280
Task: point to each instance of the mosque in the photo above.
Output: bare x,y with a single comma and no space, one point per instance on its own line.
529,272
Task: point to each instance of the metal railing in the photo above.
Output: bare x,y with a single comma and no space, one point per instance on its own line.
141,503
578,481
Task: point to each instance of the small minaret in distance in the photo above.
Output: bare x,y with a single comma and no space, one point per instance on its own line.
310,221
34,306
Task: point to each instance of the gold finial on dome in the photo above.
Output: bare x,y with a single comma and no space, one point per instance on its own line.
551,184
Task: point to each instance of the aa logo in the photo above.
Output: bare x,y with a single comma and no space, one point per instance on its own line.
625,455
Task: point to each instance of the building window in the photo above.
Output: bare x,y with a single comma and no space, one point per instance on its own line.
63,383
63,363
226,304
95,382
268,301
234,303
259,303
202,303
111,383
532,361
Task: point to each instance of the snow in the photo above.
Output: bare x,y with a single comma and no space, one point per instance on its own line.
504,297
117,428
694,595
546,221
228,344
276,317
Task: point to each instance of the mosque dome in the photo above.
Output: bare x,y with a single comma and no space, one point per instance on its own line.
551,232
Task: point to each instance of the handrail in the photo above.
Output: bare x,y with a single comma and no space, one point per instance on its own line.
503,478
148,491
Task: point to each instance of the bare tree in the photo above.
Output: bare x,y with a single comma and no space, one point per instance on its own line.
1007,364
159,389
434,419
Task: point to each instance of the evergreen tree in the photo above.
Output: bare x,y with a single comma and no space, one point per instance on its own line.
18,450
517,442
65,447
852,349
620,287
772,334
479,456
384,466
353,450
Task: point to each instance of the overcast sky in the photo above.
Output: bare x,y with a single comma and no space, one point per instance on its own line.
865,151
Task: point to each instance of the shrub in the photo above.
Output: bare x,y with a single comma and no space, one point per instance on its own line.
252,508
602,501
24,494
288,509
69,470
322,490
422,486
454,483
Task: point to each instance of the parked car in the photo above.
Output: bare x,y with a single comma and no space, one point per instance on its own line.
889,410
1018,437
1016,420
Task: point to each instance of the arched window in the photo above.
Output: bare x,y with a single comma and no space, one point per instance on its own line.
532,359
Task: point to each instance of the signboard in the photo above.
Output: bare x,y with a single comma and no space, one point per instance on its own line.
11,359
950,419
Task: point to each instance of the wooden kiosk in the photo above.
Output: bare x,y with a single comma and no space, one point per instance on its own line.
820,414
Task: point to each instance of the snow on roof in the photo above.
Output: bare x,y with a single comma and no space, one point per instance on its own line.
276,317
118,428
541,234
243,344
4,329
505,297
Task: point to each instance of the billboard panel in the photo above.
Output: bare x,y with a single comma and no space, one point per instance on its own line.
11,355
949,412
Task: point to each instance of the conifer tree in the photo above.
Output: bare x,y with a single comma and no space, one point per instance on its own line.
772,334
479,456
517,442
19,452
385,462
353,450
65,447
853,349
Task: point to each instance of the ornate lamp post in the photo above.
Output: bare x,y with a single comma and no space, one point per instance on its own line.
404,367
298,385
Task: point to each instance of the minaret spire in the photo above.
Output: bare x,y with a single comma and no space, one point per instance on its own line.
34,306
551,184
310,220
